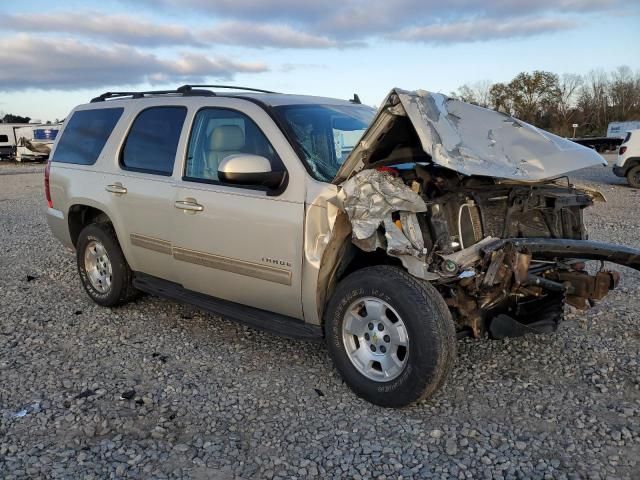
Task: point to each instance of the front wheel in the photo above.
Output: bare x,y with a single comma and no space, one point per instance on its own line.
390,336
633,177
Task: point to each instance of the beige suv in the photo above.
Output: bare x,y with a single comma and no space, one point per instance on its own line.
388,233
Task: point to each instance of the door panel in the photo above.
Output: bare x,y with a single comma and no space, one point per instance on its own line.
144,211
246,248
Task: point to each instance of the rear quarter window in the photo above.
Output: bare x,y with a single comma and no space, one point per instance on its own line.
4,138
627,137
85,135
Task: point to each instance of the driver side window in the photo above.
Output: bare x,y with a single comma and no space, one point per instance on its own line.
218,133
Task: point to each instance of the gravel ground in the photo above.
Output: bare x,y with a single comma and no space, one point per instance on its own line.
156,389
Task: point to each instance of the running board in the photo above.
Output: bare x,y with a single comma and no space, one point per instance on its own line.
274,323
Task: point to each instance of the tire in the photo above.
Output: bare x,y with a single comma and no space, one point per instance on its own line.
419,311
633,176
109,282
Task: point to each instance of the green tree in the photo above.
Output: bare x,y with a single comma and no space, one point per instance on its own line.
533,95
10,118
501,98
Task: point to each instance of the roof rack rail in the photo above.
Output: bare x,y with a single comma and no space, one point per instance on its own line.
186,88
191,90
109,95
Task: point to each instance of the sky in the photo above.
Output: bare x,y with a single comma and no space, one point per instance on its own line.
56,55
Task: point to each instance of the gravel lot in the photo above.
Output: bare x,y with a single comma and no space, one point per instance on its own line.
157,389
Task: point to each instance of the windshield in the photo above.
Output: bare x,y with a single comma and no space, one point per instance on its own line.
325,134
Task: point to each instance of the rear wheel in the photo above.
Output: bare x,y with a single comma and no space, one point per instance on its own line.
103,270
633,177
390,336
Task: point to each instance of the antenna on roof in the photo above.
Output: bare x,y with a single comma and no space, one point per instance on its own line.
356,99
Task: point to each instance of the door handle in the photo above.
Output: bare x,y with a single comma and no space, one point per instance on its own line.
188,205
116,188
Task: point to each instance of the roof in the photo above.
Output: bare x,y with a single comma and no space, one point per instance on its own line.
273,99
278,99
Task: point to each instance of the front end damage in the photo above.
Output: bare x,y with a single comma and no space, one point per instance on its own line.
461,196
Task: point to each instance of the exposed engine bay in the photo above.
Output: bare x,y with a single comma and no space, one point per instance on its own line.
473,238
478,203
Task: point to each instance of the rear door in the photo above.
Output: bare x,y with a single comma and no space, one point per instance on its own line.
142,188
239,244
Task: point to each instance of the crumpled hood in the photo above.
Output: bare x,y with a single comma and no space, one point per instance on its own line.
471,140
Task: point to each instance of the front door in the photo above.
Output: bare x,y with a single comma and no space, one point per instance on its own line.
236,243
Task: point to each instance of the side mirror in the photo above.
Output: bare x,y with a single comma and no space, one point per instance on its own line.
248,169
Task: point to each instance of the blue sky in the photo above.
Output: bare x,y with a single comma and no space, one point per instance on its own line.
55,55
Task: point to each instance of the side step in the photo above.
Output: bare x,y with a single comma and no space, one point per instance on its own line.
277,324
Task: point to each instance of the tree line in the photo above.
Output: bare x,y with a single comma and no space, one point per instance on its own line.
556,102
11,118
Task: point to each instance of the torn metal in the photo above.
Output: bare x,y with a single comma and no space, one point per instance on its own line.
370,199
469,139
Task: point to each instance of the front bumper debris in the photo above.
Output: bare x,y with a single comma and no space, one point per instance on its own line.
519,285
552,248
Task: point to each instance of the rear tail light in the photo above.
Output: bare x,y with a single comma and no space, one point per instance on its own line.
47,190
622,150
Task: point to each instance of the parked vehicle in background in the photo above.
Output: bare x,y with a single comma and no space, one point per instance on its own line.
386,233
628,161
615,135
8,141
599,144
25,142
34,142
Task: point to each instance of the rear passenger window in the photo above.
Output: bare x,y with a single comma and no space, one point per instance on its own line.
85,134
4,138
153,140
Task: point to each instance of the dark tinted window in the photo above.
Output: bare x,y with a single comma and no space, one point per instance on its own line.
218,133
4,138
85,135
627,137
153,140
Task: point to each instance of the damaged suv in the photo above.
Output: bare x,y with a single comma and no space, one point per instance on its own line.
388,233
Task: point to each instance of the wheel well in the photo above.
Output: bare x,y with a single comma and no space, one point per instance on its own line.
359,259
82,215
630,163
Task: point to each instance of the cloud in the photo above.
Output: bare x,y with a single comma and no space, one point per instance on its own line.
144,33
362,19
116,28
68,64
257,9
482,30
299,24
259,35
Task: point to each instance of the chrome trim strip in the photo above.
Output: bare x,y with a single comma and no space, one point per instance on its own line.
151,243
249,269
